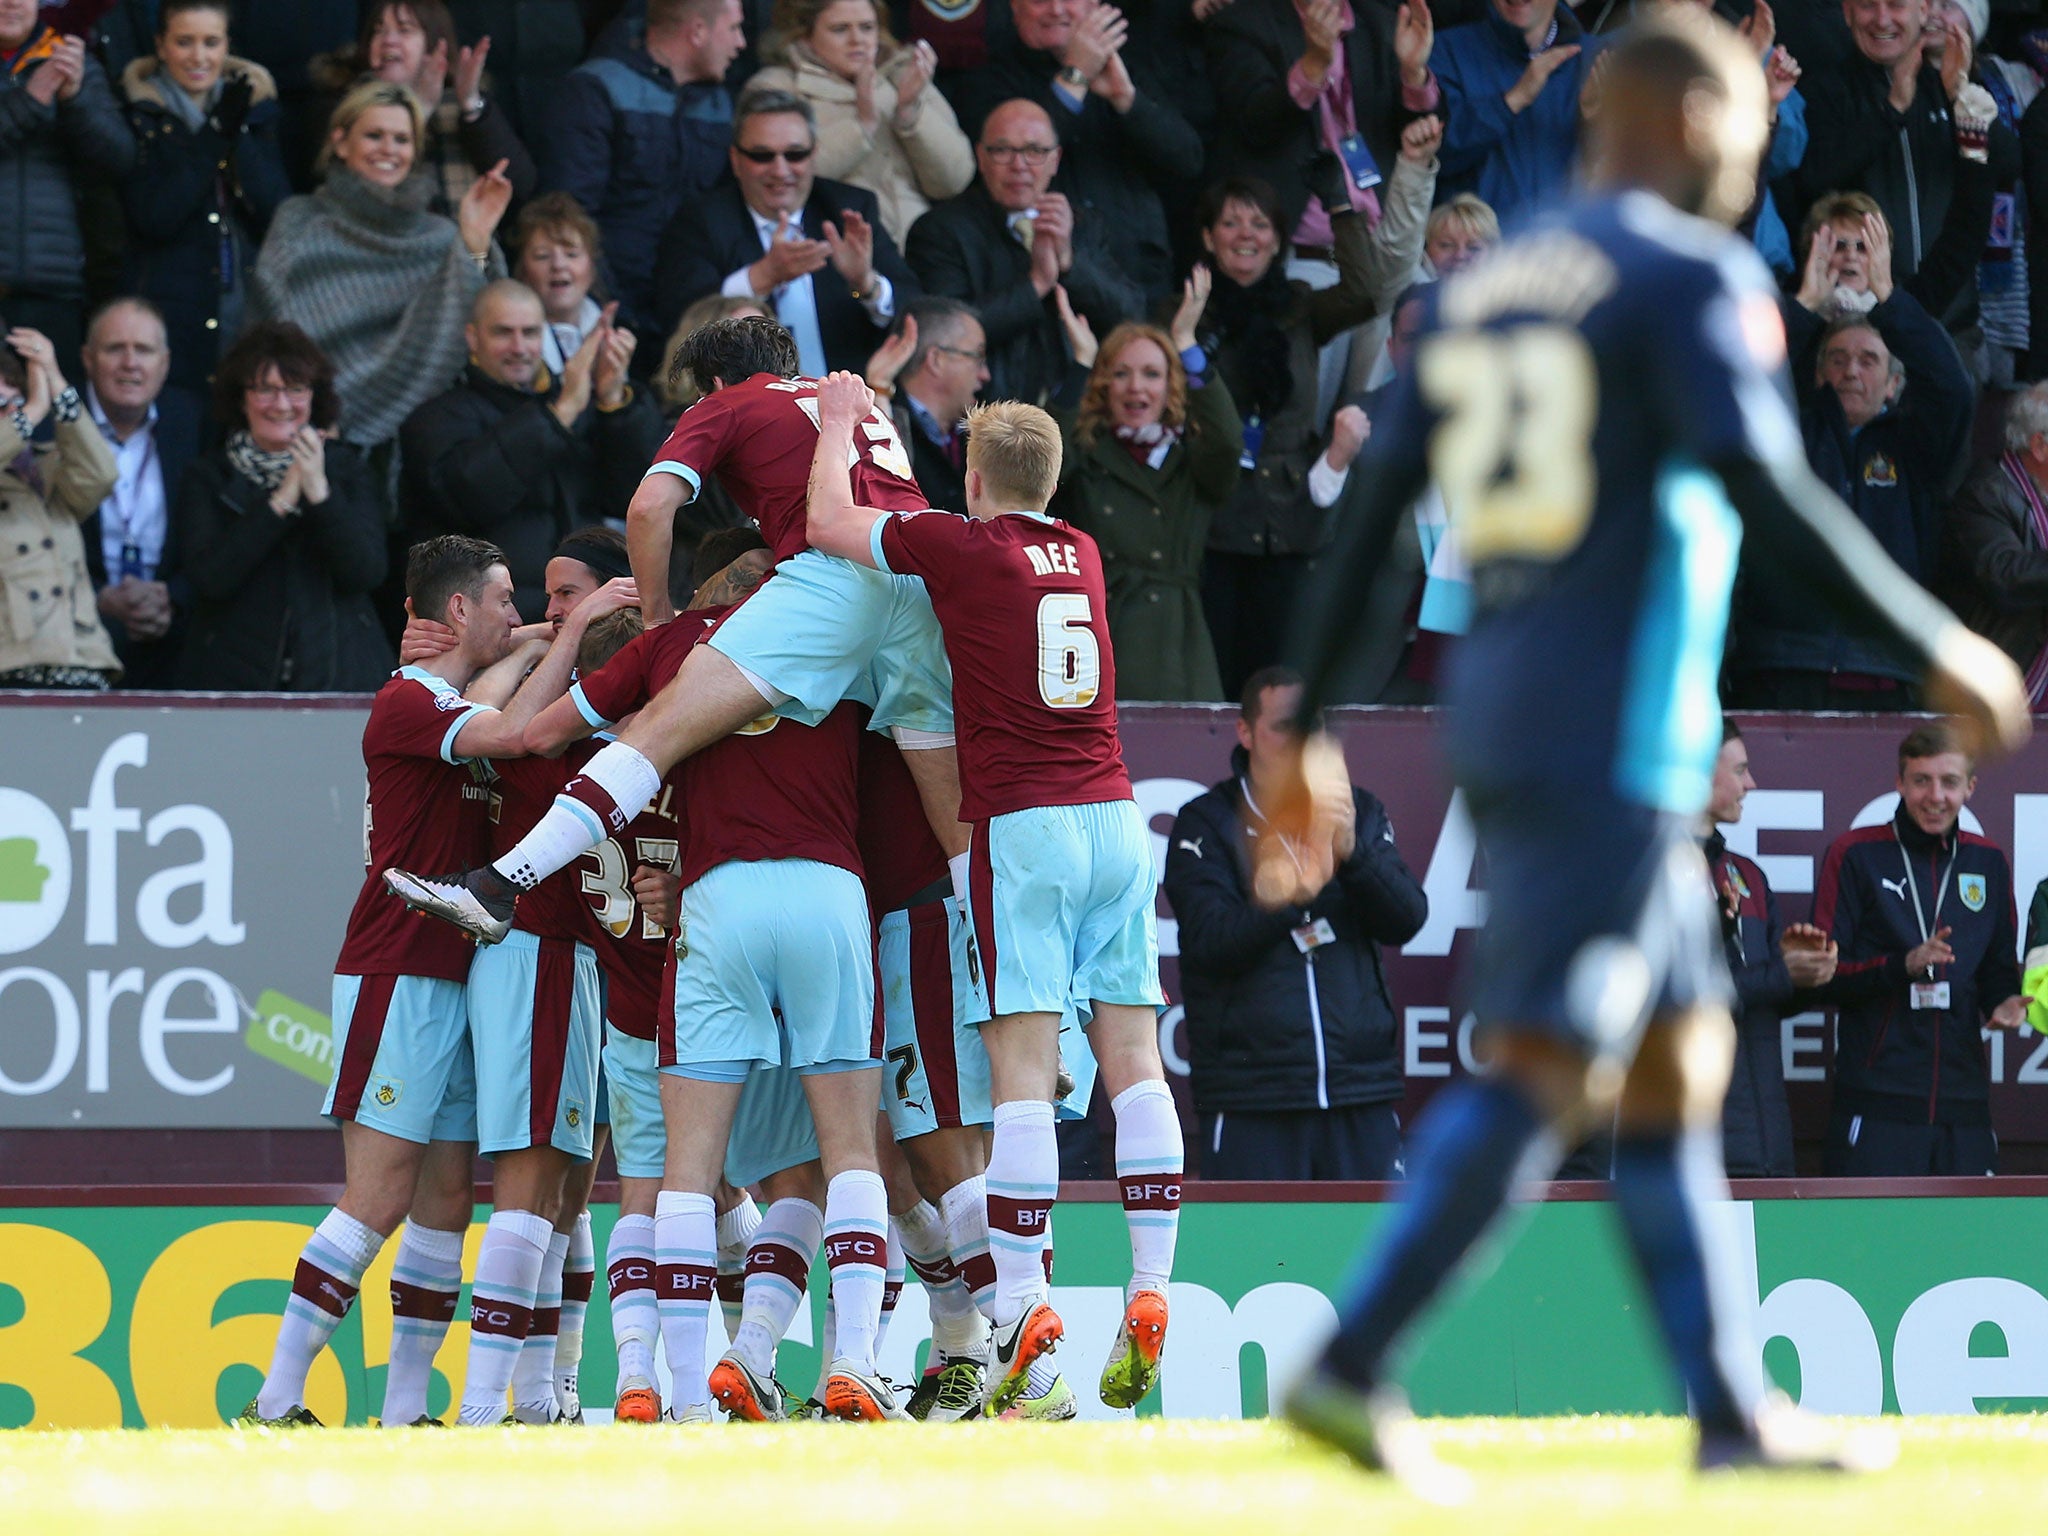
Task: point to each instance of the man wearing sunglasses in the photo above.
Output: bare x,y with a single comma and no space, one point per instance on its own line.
810,251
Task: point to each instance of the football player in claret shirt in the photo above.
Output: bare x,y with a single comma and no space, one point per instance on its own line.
1603,402
774,970
404,1089
824,631
1061,884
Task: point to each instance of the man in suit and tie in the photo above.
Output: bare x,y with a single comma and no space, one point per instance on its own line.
1005,243
131,541
930,394
813,252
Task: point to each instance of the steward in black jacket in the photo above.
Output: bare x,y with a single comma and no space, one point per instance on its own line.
1289,1018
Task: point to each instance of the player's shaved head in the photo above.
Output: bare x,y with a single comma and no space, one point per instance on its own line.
1679,106
734,350
1016,449
437,569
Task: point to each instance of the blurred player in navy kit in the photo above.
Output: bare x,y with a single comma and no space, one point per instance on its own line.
1599,400
1923,912
1061,885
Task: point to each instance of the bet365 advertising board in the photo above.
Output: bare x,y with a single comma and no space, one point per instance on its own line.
166,1316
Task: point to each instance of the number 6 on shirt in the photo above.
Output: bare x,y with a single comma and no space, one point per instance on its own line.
1069,660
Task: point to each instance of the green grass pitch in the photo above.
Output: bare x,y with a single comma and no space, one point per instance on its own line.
1586,1476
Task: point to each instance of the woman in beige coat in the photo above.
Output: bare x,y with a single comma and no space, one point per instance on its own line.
50,631
882,124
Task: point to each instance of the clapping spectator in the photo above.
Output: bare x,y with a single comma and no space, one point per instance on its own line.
131,541
1995,544
1511,83
1293,1042
1911,132
809,250
1121,141
412,43
1885,409
1005,243
1264,332
50,630
518,456
382,285
640,129
882,125
58,122
1151,453
208,177
1303,84
556,251
282,539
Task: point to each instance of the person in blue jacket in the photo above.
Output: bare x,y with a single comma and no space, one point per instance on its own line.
640,128
1511,84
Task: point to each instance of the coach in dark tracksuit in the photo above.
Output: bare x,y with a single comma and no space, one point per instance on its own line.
1292,1039
1923,912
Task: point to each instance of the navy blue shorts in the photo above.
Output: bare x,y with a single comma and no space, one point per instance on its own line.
1601,915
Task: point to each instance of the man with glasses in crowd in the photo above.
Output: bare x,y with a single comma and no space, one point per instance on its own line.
1008,241
813,252
929,389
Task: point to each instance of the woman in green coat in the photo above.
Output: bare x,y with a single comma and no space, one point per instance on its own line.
1151,453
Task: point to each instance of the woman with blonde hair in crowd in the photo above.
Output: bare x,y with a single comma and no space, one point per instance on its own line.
1460,231
380,283
1152,452
465,132
882,125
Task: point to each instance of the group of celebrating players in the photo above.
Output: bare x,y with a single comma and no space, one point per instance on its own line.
742,859
1601,401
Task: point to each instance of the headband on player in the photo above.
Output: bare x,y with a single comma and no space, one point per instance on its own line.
601,555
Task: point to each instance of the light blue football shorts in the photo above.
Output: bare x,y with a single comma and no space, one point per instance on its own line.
1062,900
935,1072
826,630
536,1023
639,1139
402,1061
771,1129
778,935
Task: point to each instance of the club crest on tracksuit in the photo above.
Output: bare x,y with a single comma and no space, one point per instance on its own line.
1971,889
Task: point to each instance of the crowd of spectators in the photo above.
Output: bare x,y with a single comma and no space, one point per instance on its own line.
477,230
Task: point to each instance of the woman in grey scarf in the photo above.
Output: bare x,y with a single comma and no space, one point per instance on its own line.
380,283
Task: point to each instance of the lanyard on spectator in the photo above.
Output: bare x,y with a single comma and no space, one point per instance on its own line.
1940,888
